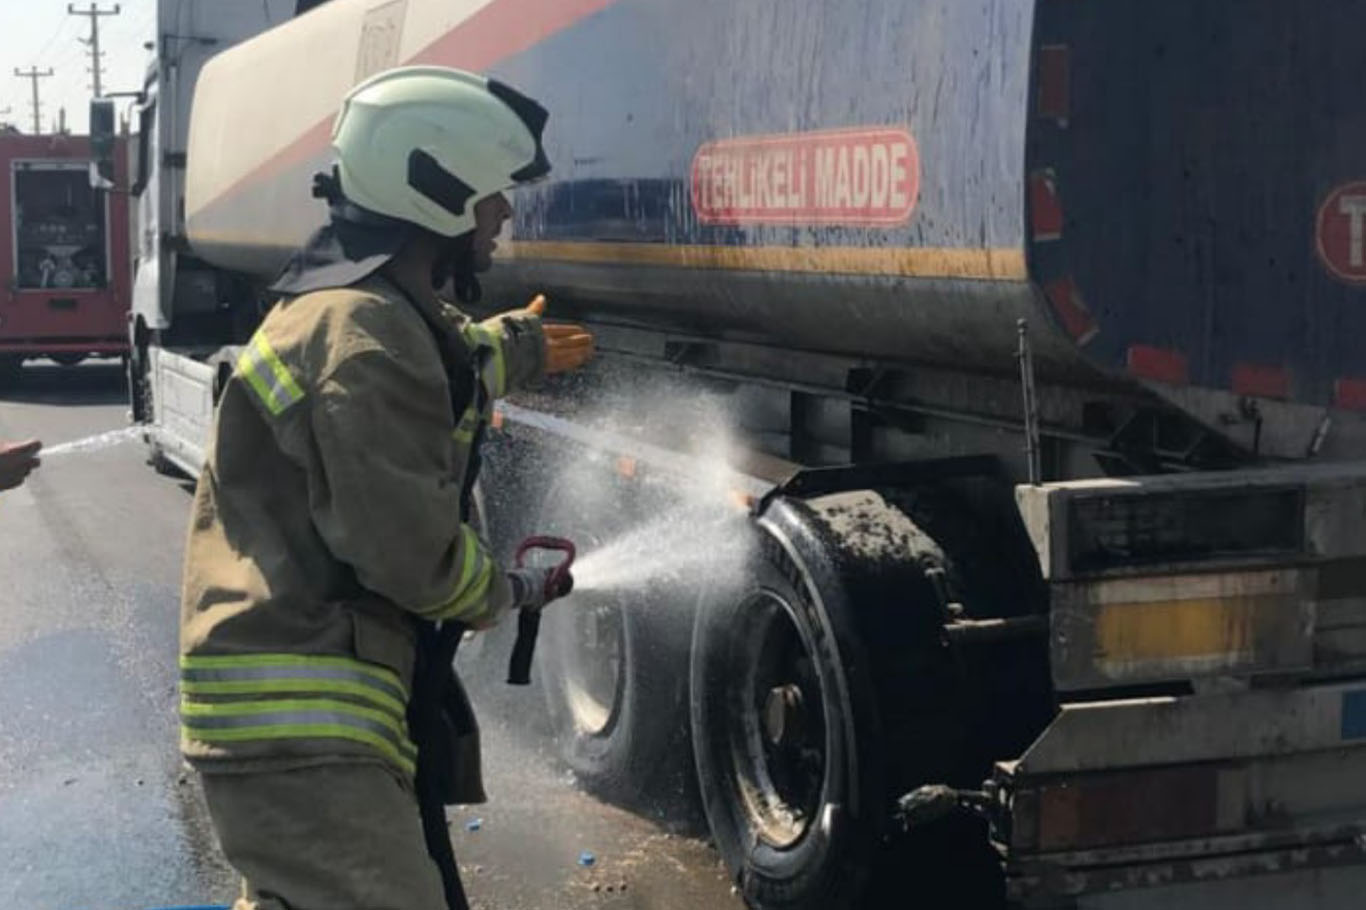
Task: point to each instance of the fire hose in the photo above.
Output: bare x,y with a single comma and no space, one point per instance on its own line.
439,714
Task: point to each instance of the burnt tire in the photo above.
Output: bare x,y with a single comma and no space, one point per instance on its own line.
867,682
613,668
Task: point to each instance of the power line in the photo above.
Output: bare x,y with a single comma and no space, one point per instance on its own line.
43,52
34,75
94,14
57,33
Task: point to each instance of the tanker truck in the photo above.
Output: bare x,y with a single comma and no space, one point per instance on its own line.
1038,329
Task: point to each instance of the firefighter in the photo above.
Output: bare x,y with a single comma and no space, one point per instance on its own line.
331,562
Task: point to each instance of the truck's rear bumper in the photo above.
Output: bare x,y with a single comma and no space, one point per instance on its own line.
1327,876
1192,795
113,346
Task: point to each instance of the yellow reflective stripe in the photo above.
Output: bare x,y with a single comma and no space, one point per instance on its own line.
221,661
465,602
246,366
469,543
302,731
476,570
282,375
275,706
494,368
498,386
293,686
465,430
268,376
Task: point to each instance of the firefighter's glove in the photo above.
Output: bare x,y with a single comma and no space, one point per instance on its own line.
533,588
567,347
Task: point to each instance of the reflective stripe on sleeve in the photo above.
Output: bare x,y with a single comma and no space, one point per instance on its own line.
476,575
493,368
498,383
268,376
469,424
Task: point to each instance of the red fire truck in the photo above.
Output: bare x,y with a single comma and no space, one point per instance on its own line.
63,255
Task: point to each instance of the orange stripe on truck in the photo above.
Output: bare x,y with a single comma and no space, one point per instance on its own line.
494,33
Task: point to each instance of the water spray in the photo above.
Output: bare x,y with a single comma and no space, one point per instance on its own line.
94,443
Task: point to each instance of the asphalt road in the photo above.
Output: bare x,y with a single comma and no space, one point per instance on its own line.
96,810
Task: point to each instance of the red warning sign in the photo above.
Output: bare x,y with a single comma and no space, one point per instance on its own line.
1342,232
846,176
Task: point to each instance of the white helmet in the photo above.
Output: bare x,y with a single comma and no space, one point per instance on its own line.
424,144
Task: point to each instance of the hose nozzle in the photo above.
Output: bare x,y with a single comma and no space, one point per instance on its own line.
543,586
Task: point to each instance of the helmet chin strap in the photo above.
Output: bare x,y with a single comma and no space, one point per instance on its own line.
455,264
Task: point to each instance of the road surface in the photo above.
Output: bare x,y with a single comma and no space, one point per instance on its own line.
97,811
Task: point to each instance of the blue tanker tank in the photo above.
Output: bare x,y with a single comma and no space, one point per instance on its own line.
1171,194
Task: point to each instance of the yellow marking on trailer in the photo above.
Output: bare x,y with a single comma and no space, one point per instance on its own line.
968,263
999,264
1225,630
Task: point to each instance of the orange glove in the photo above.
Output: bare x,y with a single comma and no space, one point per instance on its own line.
567,347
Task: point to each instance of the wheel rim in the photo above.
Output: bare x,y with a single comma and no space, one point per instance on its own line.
593,652
776,722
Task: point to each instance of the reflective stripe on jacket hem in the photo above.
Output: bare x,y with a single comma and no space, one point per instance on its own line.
297,698
304,732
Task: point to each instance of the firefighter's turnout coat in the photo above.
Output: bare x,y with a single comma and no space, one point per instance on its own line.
328,519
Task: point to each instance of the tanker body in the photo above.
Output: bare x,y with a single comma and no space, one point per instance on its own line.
1037,327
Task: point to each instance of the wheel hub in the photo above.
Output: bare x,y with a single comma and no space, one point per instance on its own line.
783,713
594,667
776,723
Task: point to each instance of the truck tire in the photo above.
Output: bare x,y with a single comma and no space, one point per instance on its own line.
67,359
163,465
819,694
11,369
138,386
614,668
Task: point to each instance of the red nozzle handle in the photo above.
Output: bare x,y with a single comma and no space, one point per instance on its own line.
557,583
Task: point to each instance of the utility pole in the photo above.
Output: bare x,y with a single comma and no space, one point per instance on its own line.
94,14
34,75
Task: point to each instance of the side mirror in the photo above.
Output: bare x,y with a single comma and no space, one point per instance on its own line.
102,140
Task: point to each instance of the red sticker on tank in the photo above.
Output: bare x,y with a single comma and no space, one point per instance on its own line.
1342,232
845,176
